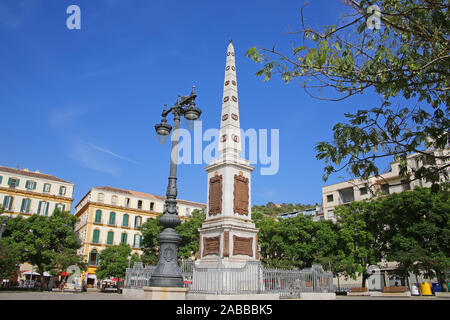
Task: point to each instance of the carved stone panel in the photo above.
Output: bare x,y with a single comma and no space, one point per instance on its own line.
242,245
211,245
215,195
240,195
226,243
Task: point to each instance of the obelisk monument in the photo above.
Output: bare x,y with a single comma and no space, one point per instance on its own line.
228,236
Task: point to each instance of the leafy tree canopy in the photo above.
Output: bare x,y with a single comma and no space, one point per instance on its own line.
113,262
408,57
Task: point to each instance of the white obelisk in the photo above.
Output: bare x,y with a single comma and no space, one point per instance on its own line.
228,236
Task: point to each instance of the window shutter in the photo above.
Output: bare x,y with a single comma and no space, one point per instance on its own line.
39,207
95,236
11,199
5,201
125,220
46,208
17,182
28,205
1,178
22,206
9,182
34,185
64,207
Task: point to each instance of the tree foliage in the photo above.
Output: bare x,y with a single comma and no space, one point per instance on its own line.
113,262
407,57
39,239
187,230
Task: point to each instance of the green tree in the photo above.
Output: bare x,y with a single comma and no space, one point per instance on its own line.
150,231
417,232
8,260
359,232
187,230
190,237
39,239
113,262
407,57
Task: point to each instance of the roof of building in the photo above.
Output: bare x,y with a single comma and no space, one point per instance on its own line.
147,195
34,174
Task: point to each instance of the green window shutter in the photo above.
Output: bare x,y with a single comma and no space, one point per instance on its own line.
39,207
17,182
110,237
124,238
125,220
112,217
46,208
1,178
27,184
34,185
28,205
63,207
22,207
98,216
4,201
96,235
9,182
11,199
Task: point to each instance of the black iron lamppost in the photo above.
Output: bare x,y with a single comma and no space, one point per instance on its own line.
167,273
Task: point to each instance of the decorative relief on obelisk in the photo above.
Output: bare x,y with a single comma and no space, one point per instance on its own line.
215,195
211,245
242,245
240,195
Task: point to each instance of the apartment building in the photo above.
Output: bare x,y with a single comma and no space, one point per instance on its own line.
111,216
387,182
24,192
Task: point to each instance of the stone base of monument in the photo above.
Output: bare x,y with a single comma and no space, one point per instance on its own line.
263,296
164,293
133,293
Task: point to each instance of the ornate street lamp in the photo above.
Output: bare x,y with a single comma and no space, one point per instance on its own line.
167,272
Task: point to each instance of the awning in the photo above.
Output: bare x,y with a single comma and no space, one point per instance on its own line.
28,272
92,276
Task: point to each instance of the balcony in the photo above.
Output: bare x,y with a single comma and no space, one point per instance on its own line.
346,195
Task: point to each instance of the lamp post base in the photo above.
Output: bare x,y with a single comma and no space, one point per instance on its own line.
167,273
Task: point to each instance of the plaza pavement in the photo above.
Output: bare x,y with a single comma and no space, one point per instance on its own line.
20,295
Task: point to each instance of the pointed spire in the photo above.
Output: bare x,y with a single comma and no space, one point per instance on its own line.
230,130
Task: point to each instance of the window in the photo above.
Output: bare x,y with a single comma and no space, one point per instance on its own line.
13,182
110,238
93,258
363,191
100,197
123,239
7,203
112,218
125,220
330,198
330,214
30,185
137,222
406,185
46,187
114,200
60,206
43,208
98,216
139,204
385,188
25,207
188,212
137,241
152,206
1,178
95,236
62,191
127,202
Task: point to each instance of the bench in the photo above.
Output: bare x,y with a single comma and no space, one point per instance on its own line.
395,289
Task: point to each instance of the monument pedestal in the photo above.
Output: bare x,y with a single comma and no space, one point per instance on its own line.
164,293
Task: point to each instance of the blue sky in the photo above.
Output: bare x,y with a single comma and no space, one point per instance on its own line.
82,104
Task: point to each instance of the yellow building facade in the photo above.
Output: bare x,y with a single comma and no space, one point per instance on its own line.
25,192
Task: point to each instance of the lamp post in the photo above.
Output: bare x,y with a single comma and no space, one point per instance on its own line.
167,273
